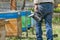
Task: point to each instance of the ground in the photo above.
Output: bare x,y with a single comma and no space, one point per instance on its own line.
56,30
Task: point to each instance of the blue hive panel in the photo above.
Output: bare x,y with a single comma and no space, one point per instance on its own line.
11,15
8,15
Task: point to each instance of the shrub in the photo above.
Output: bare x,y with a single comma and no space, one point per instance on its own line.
57,10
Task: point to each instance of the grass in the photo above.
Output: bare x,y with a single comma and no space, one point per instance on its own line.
56,30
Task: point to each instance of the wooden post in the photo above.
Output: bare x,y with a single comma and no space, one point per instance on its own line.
19,28
13,5
2,29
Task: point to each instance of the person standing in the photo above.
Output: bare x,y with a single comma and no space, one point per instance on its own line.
44,6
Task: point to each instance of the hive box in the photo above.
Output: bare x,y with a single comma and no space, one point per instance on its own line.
11,27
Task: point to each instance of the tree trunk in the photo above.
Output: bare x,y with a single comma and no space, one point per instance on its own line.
13,5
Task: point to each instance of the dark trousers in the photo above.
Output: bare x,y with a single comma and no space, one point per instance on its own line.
45,8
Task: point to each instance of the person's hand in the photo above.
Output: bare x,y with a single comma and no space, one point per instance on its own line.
35,8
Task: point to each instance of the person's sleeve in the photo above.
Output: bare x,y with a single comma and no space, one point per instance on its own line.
53,1
35,1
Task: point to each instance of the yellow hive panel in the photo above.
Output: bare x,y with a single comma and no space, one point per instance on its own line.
11,27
